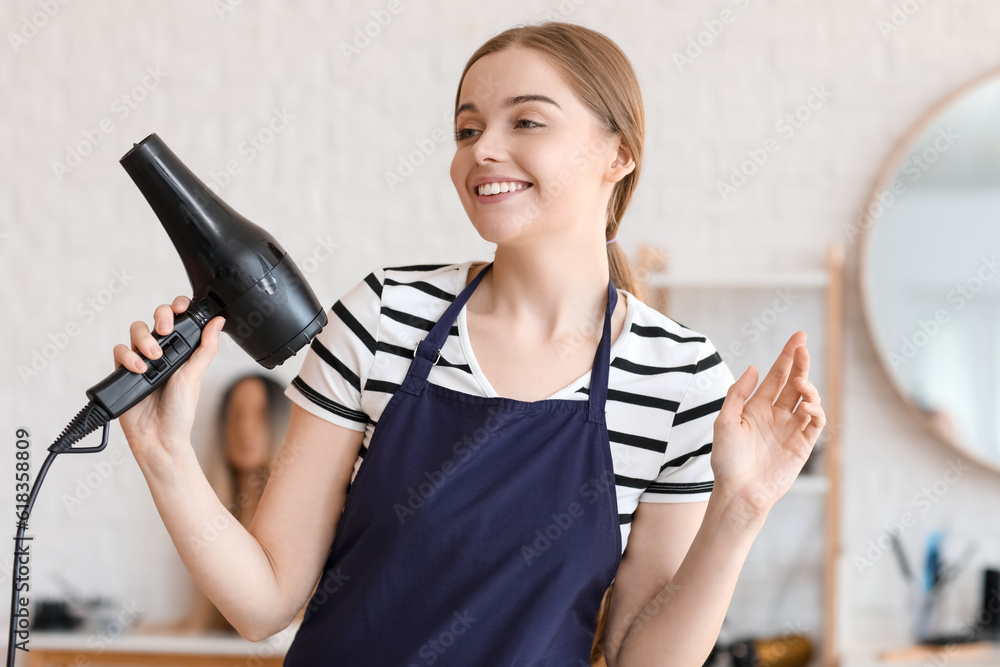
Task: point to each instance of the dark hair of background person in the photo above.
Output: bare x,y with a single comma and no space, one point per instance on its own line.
278,410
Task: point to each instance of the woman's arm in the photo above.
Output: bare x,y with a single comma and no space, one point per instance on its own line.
665,614
259,578
760,444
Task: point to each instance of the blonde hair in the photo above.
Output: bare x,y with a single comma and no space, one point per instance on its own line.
603,79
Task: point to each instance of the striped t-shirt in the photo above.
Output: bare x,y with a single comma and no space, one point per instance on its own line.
666,382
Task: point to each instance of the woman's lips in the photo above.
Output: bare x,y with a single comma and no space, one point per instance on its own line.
497,198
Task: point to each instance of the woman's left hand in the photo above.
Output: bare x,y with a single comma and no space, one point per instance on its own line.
761,444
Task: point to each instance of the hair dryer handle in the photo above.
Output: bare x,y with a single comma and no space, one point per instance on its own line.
124,388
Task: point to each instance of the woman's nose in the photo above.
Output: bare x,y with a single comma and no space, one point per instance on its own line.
489,145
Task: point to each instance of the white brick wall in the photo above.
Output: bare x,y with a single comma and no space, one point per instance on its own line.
321,181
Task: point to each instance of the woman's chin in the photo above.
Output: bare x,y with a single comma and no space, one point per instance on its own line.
504,233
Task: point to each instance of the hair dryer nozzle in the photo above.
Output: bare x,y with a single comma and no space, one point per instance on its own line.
270,310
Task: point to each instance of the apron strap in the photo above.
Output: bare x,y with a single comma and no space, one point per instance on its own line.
429,349
602,361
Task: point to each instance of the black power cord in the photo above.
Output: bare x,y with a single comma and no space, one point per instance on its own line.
88,420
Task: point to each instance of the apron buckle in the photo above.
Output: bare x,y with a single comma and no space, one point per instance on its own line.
423,351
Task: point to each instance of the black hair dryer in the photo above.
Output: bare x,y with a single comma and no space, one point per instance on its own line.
237,270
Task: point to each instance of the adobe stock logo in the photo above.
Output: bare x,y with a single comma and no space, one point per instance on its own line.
59,340
122,107
786,127
32,25
252,145
381,18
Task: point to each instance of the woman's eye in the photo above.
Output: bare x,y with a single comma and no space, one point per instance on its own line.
463,133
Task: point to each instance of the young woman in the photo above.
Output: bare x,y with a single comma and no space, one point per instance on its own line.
516,434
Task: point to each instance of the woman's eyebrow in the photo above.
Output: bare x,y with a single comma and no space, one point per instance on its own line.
509,102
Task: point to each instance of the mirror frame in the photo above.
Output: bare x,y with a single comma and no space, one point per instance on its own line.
885,176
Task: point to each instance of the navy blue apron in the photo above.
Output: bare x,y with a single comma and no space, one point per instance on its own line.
478,531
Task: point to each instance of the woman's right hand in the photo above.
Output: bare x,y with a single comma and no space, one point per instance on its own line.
160,424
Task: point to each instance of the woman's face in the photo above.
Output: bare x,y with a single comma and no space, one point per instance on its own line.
553,148
247,427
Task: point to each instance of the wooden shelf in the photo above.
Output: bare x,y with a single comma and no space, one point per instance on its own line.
744,280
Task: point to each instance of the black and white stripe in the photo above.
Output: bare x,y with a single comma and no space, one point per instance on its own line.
666,382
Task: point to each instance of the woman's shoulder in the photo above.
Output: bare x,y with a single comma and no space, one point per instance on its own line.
653,329
389,290
411,290
436,273
670,355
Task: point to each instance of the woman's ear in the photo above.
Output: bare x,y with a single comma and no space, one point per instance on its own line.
622,166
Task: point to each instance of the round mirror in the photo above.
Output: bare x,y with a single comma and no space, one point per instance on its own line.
930,269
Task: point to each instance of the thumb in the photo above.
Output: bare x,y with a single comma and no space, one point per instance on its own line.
206,350
737,395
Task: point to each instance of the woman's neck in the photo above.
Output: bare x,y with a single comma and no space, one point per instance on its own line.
546,295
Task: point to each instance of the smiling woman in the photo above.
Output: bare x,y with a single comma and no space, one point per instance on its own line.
549,138
573,455
479,449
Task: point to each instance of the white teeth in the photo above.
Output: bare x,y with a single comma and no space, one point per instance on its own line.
496,188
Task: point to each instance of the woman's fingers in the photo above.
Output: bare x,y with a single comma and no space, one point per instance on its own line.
816,426
142,338
790,393
803,415
778,375
808,390
810,413
737,394
129,359
180,304
163,319
143,341
814,420
209,345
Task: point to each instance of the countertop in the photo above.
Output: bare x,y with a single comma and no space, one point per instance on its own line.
980,654
161,642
